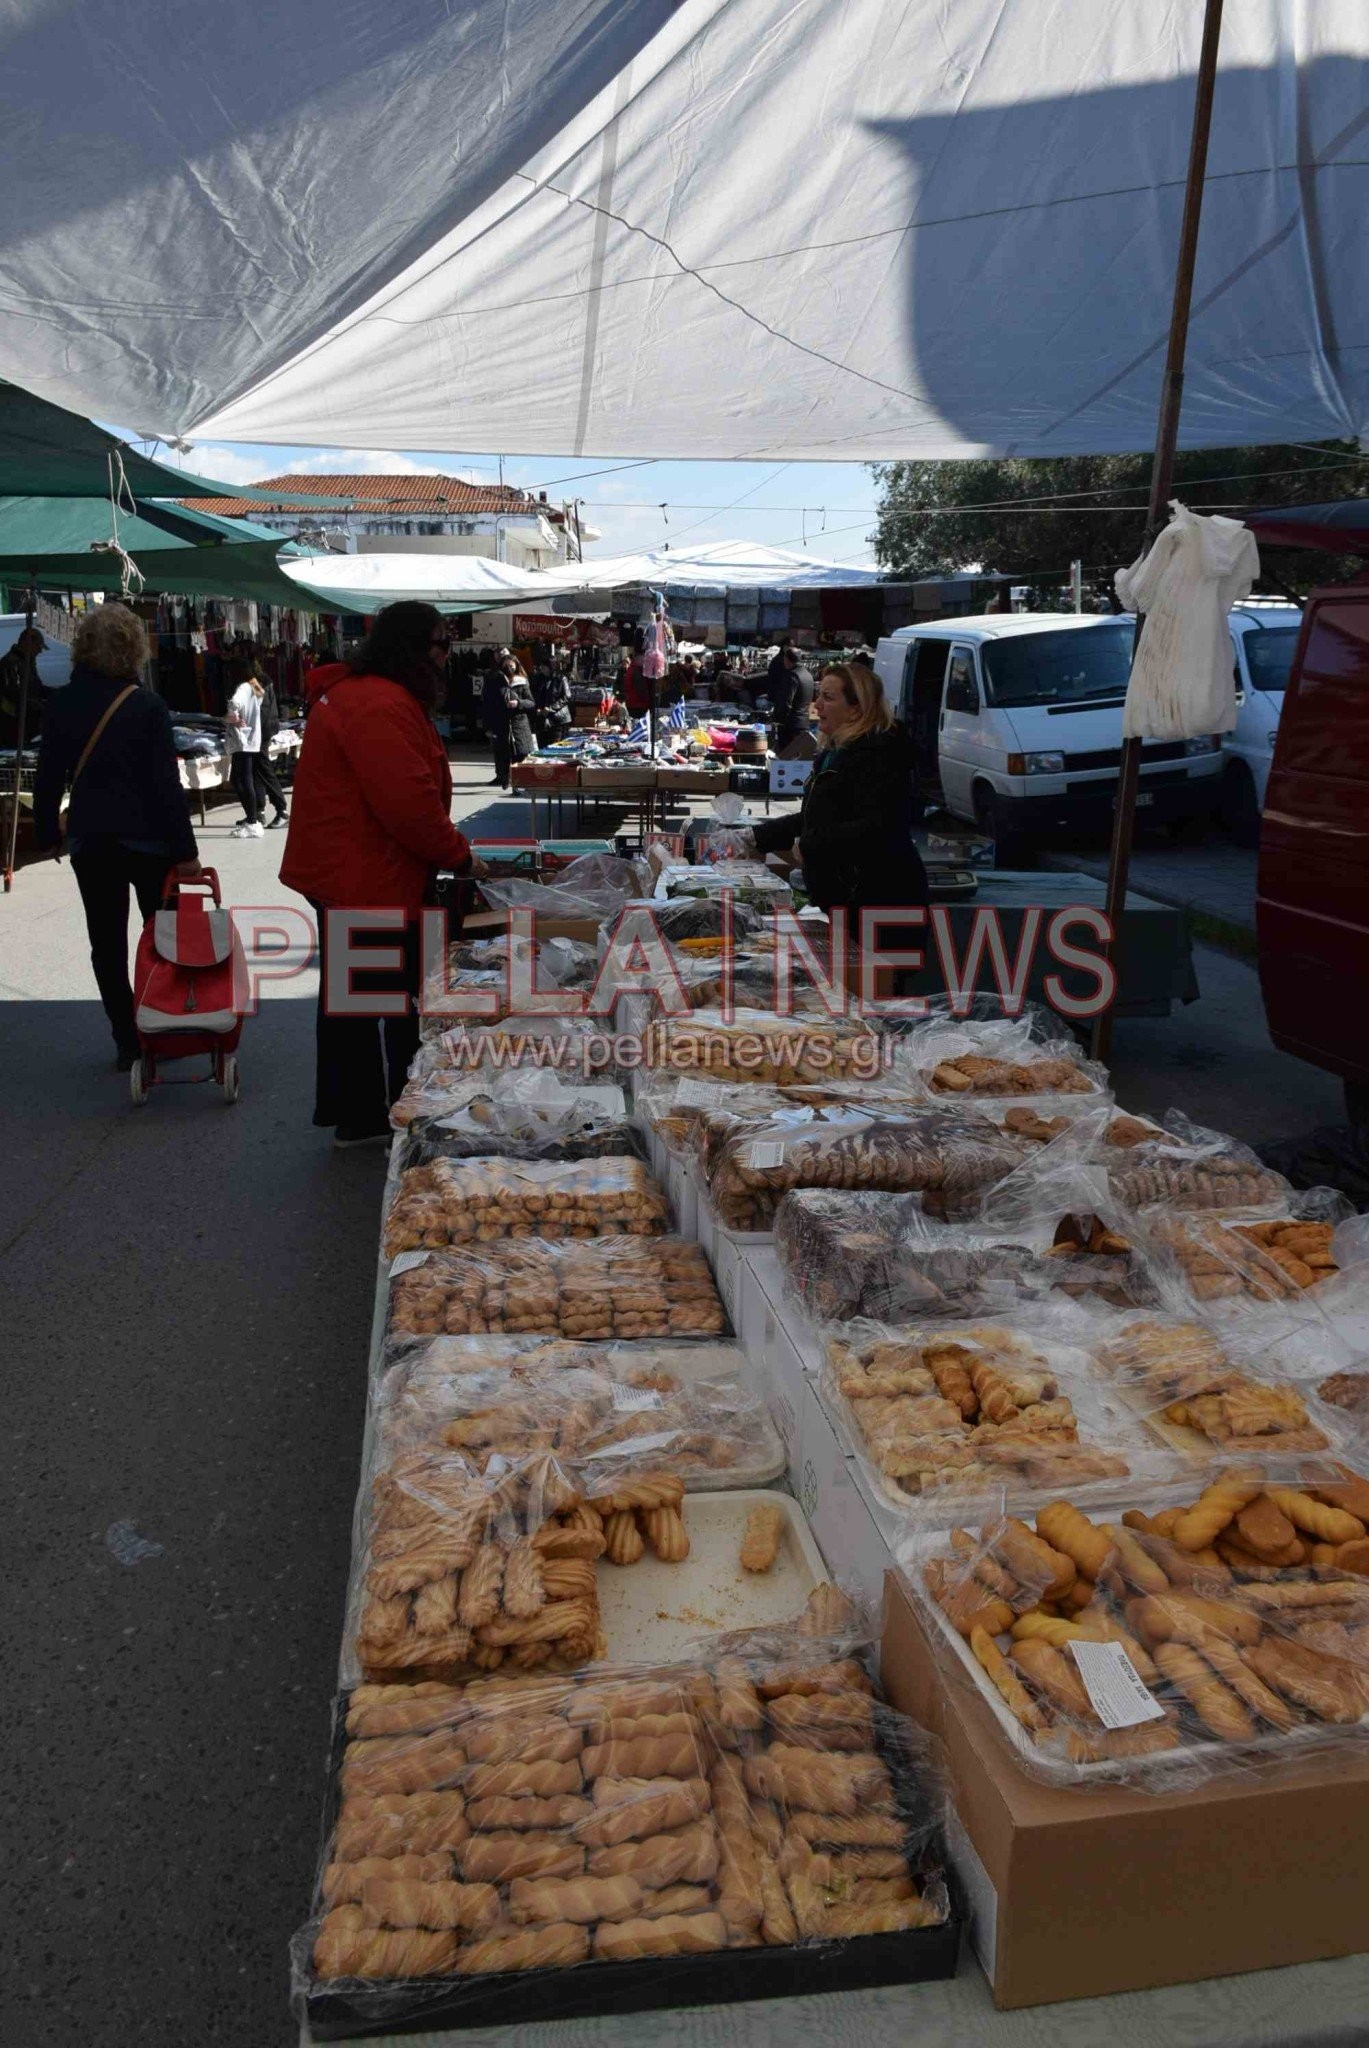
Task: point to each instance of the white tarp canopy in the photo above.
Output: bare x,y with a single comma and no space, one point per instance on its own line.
475,582
760,228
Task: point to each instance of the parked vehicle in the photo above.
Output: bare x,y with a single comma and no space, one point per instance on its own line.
1263,637
1018,717
1312,899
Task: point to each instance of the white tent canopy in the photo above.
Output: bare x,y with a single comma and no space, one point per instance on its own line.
473,582
739,228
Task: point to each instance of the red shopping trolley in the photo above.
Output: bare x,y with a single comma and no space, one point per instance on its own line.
189,986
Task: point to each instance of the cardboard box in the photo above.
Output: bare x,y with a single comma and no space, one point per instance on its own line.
487,924
1078,1894
534,774
607,778
847,1536
692,781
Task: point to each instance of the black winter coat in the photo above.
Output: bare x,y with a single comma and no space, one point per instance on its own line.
854,829
130,788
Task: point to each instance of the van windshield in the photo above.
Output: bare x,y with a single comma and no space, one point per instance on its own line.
1081,665
1269,656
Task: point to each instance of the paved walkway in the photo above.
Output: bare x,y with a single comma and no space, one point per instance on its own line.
1211,877
188,1291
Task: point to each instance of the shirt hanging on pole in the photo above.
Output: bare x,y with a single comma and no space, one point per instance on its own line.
1183,682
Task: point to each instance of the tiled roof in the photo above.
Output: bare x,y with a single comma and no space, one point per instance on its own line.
447,494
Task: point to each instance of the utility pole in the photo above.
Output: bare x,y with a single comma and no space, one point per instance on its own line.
1077,584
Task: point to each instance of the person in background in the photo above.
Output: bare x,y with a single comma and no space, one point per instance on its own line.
853,830
242,738
551,694
791,697
109,740
369,825
30,643
494,710
518,700
635,689
267,780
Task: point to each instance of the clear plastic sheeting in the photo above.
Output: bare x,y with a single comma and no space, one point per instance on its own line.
484,969
1180,1165
592,1289
482,1200
1169,1639
483,1832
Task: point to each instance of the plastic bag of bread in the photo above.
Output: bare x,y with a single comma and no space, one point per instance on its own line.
983,1054
599,1408
750,1166
1244,1256
758,1046
479,1832
1205,1629
488,979
882,1255
576,1047
590,1290
481,1201
1178,1164
524,1116
1211,1397
943,1415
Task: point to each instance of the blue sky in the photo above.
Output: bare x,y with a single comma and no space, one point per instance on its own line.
829,507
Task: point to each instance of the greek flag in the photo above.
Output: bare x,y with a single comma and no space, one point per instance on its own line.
641,730
679,717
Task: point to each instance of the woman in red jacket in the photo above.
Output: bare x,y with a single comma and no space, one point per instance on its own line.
369,822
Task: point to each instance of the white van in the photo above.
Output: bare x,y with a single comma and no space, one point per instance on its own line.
1263,637
1018,717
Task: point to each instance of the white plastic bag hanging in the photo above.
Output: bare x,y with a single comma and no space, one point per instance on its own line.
1182,684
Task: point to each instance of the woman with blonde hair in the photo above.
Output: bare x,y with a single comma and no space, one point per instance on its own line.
853,830
109,740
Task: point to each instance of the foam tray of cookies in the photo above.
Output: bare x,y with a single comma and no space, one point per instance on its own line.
592,1289
503,1852
480,1201
593,1405
1167,1640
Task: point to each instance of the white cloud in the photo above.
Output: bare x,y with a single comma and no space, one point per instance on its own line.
237,465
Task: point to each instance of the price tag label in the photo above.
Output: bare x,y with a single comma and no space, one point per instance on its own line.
634,1400
1115,1687
698,1095
404,1262
762,1156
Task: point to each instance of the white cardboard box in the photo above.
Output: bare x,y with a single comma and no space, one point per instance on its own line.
774,1321
682,1185
838,1514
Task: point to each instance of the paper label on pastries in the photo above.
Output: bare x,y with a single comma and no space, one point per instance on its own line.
404,1262
604,1099
630,1400
762,1156
698,1095
1116,1690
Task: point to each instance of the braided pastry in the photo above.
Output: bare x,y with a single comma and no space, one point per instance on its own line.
890,1918
666,1533
739,1708
622,1537
402,1763
342,1882
659,1490
524,1586
346,1946
670,1756
478,1602
537,1948
675,1934
585,1899
689,1855
401,1709
516,1779
820,1782
421,1823
836,1831
559,1618
405,1902
676,1898
495,1859
561,1811
532,1741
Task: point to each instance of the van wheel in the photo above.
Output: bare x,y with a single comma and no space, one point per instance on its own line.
1240,814
991,815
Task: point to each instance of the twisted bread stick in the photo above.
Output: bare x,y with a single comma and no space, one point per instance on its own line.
668,1537
886,1919
420,1824
1217,1505
675,1934
522,1780
761,1538
1216,1706
677,1898
537,1948
871,1830
401,1709
478,1601
1074,1535
1327,1524
346,1947
673,1756
524,1587
342,1882
389,1902
495,1859
497,1742
563,1810
628,1809
402,1763
688,1856
582,1899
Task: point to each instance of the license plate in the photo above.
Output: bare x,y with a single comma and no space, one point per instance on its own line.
1142,801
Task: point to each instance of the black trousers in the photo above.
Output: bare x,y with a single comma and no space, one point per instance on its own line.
363,1062
267,783
503,756
105,871
242,771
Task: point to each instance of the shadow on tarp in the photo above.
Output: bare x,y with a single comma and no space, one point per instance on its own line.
1037,314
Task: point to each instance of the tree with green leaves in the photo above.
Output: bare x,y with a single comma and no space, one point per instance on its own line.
1031,519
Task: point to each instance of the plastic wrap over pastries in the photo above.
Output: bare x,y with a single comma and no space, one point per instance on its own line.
590,1289
1223,1627
510,1825
480,1201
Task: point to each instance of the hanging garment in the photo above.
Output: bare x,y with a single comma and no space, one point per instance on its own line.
1183,679
655,645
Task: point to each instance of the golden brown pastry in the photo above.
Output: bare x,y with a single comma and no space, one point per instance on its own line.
536,1948
689,1855
400,1709
627,1810
500,1740
522,1780
838,1831
674,1934
583,1899
1056,1678
1216,1706
398,1823
496,1859
1074,1535
623,1540
761,1538
405,1902
667,1535
561,1811
1326,1524
840,1921
1215,1507
343,1882
346,1946
673,1756
1331,1690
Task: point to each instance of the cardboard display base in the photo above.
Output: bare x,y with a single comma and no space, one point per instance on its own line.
1082,1893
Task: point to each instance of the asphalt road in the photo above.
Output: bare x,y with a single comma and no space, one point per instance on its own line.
187,1292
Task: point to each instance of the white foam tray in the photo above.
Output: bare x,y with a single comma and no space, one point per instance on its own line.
655,1613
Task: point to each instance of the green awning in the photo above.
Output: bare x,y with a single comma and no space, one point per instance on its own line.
59,543
44,449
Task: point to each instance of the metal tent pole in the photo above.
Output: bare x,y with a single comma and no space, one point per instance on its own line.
25,680
1162,468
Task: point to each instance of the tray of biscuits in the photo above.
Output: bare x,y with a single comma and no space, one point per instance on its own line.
483,1200
591,1289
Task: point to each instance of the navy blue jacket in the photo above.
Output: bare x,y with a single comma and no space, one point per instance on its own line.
130,788
854,828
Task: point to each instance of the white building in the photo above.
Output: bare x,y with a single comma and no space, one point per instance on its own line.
427,514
